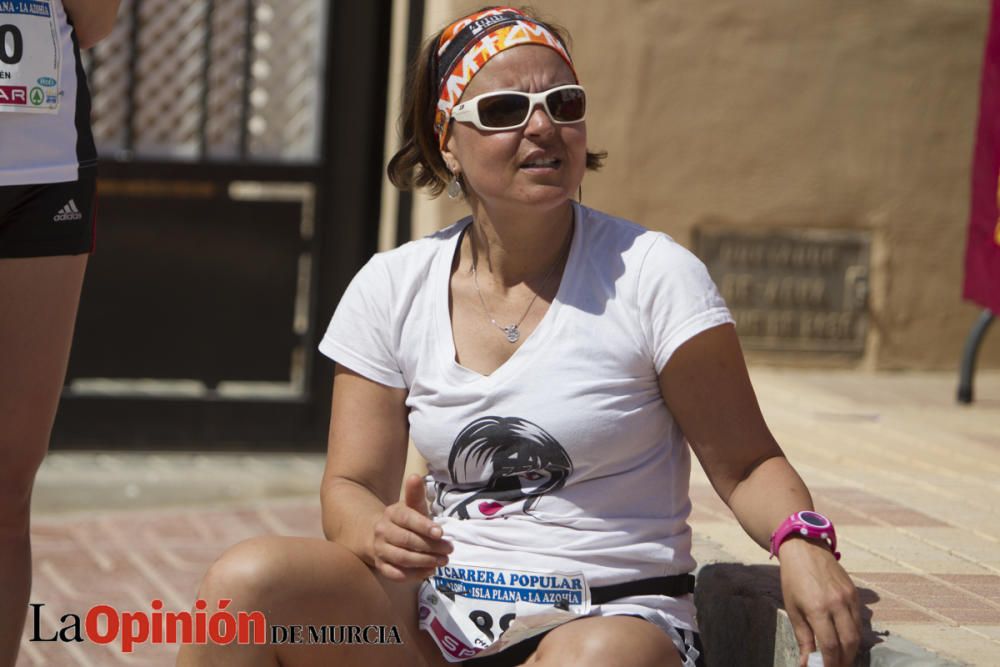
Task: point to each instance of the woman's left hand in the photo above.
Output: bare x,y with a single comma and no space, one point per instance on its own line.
821,602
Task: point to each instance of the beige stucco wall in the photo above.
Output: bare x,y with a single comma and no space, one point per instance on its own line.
848,114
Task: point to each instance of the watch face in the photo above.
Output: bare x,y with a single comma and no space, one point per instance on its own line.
814,519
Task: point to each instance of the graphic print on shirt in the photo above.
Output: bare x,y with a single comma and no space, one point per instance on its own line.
501,465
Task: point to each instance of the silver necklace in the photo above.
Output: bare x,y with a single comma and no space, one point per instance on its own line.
511,330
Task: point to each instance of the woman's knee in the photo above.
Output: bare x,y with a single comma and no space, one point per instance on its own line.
241,572
610,641
22,453
261,572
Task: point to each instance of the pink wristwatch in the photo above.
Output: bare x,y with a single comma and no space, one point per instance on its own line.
808,524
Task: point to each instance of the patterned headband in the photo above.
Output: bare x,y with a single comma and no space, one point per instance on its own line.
468,44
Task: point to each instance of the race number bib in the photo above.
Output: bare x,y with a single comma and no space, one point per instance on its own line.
30,56
474,611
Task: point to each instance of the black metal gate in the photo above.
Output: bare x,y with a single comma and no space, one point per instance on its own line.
241,145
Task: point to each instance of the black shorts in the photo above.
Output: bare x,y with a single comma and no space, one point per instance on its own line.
518,653
50,218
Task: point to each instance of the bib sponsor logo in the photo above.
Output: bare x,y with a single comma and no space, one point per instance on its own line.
450,642
14,95
30,45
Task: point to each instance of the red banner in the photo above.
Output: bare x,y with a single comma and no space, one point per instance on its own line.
982,254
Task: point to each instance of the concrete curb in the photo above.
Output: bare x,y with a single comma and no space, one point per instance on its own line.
742,622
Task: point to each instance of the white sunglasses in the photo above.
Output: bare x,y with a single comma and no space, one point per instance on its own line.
510,109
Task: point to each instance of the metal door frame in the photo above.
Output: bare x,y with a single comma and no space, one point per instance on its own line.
347,184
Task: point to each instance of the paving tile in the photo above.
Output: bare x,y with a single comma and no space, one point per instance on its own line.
731,538
888,617
707,551
966,616
963,644
963,544
986,585
706,505
908,552
856,559
860,507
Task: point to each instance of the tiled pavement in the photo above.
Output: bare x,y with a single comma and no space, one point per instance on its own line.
910,477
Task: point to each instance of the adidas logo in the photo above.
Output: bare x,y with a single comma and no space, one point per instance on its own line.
68,213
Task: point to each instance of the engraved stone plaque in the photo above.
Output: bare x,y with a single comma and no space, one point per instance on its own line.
792,290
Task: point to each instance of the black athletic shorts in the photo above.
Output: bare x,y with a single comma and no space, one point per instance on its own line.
518,653
49,219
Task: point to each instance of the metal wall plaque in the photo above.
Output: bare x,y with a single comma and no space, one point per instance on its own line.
792,290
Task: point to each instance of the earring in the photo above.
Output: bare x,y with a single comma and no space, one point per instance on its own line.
579,196
454,187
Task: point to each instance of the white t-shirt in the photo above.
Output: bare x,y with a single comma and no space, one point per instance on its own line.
565,458
48,148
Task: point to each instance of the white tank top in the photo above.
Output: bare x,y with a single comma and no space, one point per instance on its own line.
39,144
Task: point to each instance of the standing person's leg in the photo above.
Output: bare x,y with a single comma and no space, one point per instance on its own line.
38,304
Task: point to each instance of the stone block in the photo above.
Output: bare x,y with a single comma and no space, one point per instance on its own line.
743,622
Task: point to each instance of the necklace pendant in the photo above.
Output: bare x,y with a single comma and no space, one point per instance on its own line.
512,333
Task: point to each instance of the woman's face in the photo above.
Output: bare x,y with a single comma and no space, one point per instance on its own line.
496,166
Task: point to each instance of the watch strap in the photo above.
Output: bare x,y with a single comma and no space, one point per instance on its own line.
794,525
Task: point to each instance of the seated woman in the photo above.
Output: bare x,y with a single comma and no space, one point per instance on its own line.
554,399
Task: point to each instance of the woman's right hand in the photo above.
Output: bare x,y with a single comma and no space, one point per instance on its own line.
408,544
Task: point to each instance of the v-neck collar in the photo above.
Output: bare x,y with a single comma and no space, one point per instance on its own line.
535,340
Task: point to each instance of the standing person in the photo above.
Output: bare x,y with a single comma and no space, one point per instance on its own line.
47,191
551,363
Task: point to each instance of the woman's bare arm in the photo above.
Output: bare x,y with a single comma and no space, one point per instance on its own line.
92,20
366,456
707,388
369,433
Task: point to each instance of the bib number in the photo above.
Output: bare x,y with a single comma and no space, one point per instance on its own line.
473,611
11,45
30,57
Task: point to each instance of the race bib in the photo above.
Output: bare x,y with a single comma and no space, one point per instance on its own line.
474,611
30,57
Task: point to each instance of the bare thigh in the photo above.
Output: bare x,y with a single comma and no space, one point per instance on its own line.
303,581
38,304
609,641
